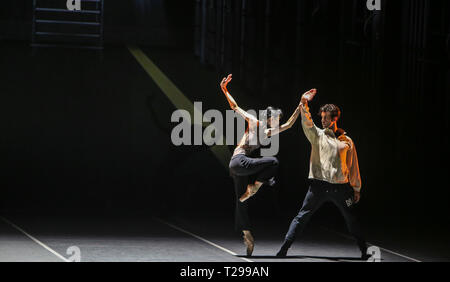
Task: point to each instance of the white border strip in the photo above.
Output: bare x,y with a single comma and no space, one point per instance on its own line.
201,239
35,240
386,250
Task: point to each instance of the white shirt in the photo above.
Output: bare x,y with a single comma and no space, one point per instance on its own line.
333,160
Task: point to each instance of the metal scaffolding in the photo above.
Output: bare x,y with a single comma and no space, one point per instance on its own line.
54,25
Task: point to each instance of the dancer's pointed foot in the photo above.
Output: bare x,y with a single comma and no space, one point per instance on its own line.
249,242
252,189
247,195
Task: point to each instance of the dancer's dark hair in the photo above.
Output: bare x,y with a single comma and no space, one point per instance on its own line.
334,111
272,112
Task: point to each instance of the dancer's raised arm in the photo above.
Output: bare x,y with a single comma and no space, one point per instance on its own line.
303,103
309,128
306,115
234,106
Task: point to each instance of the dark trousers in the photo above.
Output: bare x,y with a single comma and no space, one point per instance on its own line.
242,169
342,195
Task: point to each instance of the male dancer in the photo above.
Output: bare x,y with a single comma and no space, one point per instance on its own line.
334,173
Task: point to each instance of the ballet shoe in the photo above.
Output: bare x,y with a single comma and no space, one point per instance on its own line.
250,243
252,189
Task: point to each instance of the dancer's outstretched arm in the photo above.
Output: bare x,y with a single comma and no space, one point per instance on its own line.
306,96
274,131
234,106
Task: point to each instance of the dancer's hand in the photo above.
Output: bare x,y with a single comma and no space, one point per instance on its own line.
357,197
308,96
225,82
230,99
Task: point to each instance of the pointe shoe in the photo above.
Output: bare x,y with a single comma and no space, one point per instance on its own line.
247,195
252,189
250,243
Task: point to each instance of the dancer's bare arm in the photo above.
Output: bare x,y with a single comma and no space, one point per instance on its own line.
302,108
288,125
234,106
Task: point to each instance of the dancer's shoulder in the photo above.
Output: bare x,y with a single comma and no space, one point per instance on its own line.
345,138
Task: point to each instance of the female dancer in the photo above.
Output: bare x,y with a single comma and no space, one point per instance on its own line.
243,167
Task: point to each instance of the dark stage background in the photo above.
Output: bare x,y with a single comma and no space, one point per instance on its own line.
84,133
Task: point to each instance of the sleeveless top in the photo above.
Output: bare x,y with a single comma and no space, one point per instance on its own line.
249,142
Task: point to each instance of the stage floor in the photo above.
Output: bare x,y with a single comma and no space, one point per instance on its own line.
166,240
